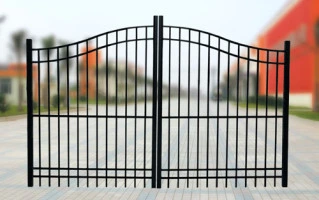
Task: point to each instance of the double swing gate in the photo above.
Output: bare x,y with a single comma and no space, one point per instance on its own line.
157,106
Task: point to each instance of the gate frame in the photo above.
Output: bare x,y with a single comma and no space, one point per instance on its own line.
30,112
158,28
285,128
155,99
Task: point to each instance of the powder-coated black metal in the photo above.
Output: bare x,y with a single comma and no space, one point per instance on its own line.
285,129
182,137
160,95
30,108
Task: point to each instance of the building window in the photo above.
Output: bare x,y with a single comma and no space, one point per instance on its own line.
5,86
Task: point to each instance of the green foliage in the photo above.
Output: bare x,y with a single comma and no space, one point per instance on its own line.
270,101
55,100
4,106
18,41
35,105
48,42
82,98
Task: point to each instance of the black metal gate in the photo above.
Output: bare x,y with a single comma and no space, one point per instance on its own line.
157,106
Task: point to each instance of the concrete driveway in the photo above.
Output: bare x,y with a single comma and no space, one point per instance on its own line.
303,162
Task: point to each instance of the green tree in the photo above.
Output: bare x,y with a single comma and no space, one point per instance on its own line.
47,42
63,54
18,46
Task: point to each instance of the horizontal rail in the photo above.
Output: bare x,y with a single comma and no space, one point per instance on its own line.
218,177
233,117
82,168
220,169
86,177
94,116
165,117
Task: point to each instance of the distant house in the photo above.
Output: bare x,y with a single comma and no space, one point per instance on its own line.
296,22
107,73
9,82
88,65
125,78
239,76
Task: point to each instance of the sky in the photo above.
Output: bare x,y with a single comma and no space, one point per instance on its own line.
70,20
73,20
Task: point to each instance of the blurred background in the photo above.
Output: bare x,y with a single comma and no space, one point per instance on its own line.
264,23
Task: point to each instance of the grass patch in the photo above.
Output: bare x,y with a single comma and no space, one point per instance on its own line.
251,105
111,101
299,111
13,110
305,113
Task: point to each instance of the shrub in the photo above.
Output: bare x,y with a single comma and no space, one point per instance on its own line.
82,98
270,100
55,100
4,106
35,105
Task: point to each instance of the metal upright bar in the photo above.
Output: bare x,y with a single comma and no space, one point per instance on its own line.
276,120
218,98
145,107
179,106
59,126
68,107
135,105
247,99
96,110
227,113
87,112
125,148
188,102
107,107
49,119
169,108
154,106
116,105
160,90
256,127
285,128
266,121
77,119
30,111
237,106
39,111
208,104
198,111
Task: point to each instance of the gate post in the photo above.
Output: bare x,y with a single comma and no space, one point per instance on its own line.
160,92
154,101
285,128
30,112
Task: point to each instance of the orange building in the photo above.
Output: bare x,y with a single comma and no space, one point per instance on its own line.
296,22
89,67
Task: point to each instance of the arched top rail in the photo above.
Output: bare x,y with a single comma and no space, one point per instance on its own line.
223,38
94,37
89,51
227,52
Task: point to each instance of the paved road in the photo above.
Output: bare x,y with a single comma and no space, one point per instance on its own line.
303,155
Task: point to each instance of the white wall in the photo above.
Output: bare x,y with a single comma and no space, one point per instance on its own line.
12,97
304,100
